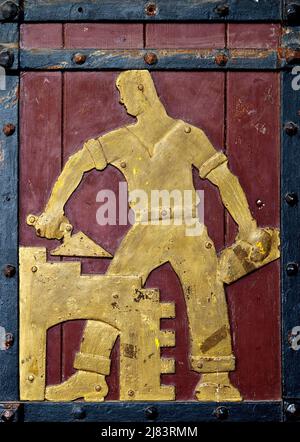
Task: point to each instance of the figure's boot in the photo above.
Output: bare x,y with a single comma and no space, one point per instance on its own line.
216,387
92,387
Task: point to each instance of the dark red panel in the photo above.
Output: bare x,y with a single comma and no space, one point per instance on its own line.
265,35
104,35
183,35
40,165
253,151
41,99
34,36
53,355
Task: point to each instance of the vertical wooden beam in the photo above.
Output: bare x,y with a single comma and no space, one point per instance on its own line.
290,225
9,374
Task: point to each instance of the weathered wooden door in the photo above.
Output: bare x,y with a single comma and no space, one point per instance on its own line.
178,327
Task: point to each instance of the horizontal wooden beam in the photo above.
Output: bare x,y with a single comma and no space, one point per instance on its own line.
183,59
153,10
270,411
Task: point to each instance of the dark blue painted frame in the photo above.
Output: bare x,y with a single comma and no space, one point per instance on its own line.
164,10
289,407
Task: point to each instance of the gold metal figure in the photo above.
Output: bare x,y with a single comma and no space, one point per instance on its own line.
157,152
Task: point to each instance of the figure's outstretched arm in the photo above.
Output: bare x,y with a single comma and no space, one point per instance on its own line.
90,157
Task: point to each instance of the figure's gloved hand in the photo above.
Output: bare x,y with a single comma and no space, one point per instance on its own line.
51,225
260,244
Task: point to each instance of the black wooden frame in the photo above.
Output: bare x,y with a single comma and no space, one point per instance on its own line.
16,60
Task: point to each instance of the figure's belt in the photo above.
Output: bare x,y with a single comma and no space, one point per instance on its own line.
165,213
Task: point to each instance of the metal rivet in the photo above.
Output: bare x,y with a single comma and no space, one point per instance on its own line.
293,411
79,58
98,387
31,219
9,129
291,198
222,10
292,268
151,9
187,130
9,271
123,165
200,365
6,58
151,413
290,128
221,413
34,269
150,58
208,245
8,10
164,213
78,413
130,393
31,378
69,228
293,12
221,59
140,87
260,204
8,415
9,340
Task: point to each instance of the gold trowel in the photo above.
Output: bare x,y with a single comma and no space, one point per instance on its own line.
74,245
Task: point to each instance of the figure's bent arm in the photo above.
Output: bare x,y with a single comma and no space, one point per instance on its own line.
213,166
88,158
234,198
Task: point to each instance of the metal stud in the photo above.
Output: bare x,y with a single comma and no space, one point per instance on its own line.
6,58
292,268
78,413
151,413
79,58
293,12
8,11
221,59
34,269
291,198
221,413
151,9
291,128
31,378
8,415
9,129
150,58
9,271
222,10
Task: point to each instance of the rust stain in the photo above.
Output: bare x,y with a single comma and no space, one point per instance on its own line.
214,339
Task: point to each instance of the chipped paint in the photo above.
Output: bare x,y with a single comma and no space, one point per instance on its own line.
2,338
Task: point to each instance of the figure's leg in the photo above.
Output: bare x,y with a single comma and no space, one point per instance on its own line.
92,363
93,360
195,262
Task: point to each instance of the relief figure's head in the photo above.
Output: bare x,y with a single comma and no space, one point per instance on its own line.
137,92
